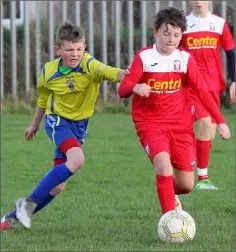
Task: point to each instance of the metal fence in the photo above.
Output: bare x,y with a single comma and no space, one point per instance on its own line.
127,22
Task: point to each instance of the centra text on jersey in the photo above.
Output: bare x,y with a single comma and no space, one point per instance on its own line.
164,85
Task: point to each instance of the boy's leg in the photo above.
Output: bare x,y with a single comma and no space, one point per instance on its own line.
60,132
206,130
78,129
183,156
164,181
155,143
205,136
184,182
60,158
9,220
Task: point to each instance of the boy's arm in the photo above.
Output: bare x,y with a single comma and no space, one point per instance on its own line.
38,115
126,87
31,131
102,72
195,81
227,43
43,94
231,64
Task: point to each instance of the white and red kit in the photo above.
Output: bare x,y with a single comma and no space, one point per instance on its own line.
204,39
164,120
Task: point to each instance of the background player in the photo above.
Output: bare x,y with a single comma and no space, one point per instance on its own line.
161,110
68,90
206,34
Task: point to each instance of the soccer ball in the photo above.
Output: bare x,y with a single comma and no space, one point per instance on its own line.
176,226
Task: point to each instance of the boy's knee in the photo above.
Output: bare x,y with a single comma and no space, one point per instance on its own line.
162,164
187,189
206,130
205,124
77,163
184,187
213,134
75,159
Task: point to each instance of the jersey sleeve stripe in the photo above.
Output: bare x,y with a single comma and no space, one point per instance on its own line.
52,104
55,75
89,60
43,71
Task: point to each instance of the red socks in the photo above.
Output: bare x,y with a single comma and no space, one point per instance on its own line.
203,155
165,191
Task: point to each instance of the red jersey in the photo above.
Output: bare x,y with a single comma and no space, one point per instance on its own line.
169,78
203,39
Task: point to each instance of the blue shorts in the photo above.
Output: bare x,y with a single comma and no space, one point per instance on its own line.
60,129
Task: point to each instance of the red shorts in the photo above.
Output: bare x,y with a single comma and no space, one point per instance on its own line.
180,146
200,111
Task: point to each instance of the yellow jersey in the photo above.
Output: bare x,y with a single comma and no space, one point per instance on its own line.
73,95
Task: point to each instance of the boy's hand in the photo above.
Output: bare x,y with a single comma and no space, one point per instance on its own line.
30,132
122,74
142,90
232,93
224,131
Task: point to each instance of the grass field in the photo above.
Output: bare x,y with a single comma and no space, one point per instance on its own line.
111,204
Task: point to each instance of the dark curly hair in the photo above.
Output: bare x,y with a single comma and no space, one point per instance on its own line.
172,16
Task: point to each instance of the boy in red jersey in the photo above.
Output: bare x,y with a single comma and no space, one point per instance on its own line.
206,34
161,110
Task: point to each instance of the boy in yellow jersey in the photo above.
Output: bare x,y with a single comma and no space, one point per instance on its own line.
68,89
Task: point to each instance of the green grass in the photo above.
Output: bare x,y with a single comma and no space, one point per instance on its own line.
111,204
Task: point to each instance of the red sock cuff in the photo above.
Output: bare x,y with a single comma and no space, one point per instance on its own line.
58,161
203,144
68,144
163,179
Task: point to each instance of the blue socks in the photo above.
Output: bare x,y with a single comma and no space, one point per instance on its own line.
46,201
53,178
41,193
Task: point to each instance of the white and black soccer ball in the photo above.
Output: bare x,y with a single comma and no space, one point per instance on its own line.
176,226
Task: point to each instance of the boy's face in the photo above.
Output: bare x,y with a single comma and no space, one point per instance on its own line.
167,38
200,6
71,52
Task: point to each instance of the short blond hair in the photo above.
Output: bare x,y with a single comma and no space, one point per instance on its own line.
68,31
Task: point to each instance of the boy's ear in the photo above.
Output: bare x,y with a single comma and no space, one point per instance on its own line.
57,51
154,32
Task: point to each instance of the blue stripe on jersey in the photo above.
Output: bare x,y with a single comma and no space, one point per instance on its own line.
87,64
52,104
43,71
55,75
78,69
